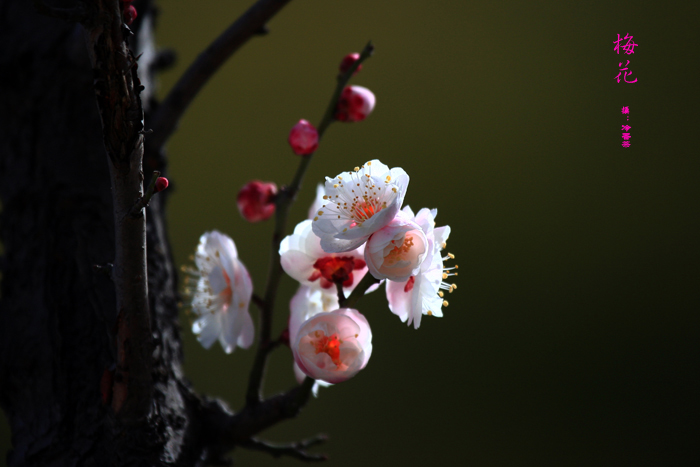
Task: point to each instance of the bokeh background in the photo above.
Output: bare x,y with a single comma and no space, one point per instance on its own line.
572,339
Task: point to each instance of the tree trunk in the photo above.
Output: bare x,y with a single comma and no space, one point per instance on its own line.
58,314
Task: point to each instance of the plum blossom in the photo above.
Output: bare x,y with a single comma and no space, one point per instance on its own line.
333,346
305,304
357,204
304,260
222,293
422,293
397,250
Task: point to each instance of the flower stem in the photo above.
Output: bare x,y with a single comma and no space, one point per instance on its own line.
366,282
282,203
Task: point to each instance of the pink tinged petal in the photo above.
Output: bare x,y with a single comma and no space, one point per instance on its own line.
247,334
399,299
299,266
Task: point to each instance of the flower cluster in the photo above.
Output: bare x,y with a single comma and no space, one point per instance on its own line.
357,225
357,229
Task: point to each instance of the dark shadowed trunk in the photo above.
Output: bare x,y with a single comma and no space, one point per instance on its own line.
58,306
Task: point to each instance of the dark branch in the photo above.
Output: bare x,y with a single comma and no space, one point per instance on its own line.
253,419
197,75
296,450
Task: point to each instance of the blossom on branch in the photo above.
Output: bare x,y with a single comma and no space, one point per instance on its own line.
303,138
256,200
334,346
307,303
304,260
357,204
222,293
355,104
422,293
397,250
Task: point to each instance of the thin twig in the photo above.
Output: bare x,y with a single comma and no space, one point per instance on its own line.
142,202
283,201
168,114
296,450
341,293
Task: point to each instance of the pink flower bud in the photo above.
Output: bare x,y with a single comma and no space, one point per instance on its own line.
303,138
348,61
355,104
256,200
161,184
130,14
333,346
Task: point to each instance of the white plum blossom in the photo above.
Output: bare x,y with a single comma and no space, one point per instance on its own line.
397,250
422,293
357,204
305,304
223,290
333,346
304,260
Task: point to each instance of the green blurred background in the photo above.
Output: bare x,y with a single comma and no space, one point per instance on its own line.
572,339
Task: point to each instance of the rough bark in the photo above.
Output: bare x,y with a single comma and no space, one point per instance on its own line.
58,312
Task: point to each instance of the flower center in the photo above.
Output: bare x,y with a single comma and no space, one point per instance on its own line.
336,269
327,344
399,253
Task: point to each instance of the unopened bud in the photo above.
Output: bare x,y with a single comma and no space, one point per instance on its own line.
256,200
161,184
355,104
303,138
348,61
130,14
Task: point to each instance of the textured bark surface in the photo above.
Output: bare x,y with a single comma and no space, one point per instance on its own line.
57,312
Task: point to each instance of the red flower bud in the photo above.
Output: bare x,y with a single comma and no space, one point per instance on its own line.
303,138
161,184
348,61
256,200
130,14
355,104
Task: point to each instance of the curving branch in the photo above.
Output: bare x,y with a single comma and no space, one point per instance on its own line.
170,111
